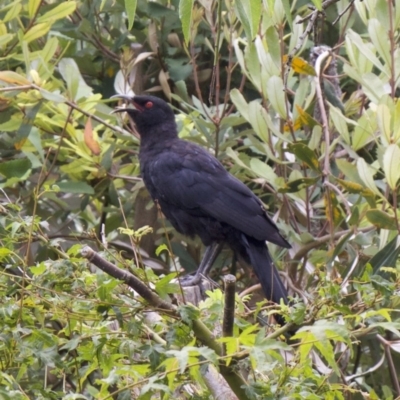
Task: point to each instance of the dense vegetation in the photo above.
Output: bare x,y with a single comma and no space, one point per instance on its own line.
297,99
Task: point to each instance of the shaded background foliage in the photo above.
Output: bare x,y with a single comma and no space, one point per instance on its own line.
317,141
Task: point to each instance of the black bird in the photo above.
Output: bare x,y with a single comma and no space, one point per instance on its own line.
199,197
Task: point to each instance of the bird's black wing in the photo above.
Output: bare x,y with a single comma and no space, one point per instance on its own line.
189,178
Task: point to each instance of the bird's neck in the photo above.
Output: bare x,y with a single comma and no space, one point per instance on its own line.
157,134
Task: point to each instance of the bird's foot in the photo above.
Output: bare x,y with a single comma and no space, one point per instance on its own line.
191,280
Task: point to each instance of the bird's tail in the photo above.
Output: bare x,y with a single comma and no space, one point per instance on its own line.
261,261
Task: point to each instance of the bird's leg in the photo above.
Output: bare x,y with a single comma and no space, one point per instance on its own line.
209,257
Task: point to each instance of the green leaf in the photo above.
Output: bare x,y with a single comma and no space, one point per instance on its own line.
75,187
391,165
161,248
130,8
36,32
249,13
13,78
58,12
386,257
185,15
286,7
76,84
276,95
4,39
4,252
298,184
384,121
15,168
263,170
381,219
33,5
380,39
318,4
305,154
366,174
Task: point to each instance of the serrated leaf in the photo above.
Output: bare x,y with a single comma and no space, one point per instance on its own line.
130,8
185,15
391,165
381,219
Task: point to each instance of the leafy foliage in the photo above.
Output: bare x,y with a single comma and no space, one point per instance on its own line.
313,130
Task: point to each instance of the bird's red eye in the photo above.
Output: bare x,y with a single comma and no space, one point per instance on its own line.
149,104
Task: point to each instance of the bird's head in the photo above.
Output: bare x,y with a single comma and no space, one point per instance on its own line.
149,113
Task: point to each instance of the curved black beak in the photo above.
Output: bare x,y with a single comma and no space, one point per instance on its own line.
129,99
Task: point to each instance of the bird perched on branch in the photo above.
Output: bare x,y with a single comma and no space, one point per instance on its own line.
199,197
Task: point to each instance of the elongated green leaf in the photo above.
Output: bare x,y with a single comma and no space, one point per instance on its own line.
391,165
59,12
15,168
12,13
75,187
305,154
276,95
381,219
4,39
14,78
366,174
298,184
185,15
263,170
318,4
384,117
130,8
36,32
380,39
33,5
240,103
340,123
387,256
249,13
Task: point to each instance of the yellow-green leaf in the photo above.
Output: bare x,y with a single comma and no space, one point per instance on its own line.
300,66
366,174
130,8
13,77
36,32
391,165
33,5
381,219
59,12
185,15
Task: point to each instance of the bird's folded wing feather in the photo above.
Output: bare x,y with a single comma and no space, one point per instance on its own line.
198,182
